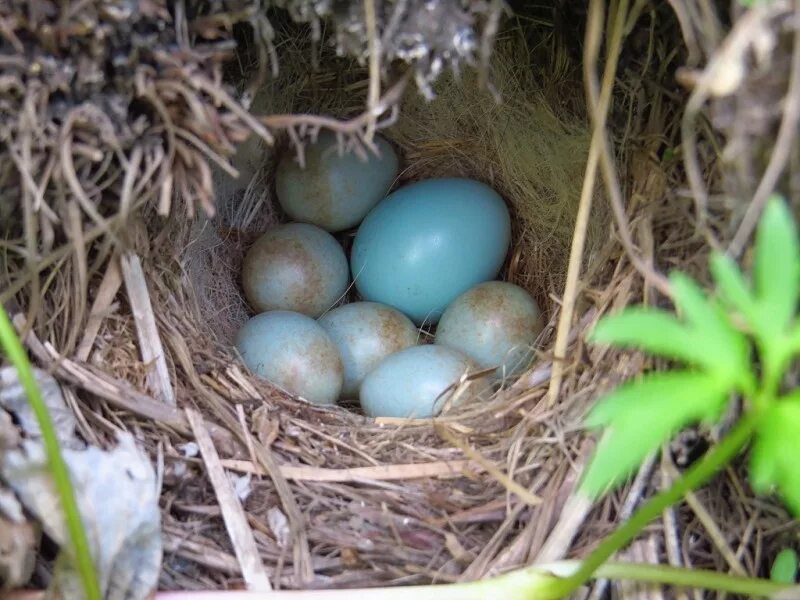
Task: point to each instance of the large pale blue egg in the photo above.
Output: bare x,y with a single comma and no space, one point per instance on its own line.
366,333
295,353
296,267
414,383
334,190
496,324
428,242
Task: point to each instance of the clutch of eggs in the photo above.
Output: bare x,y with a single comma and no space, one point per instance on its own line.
429,248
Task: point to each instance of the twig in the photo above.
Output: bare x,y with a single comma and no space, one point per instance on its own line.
687,31
511,486
645,269
239,532
721,77
708,523
593,41
632,498
671,538
784,143
115,391
374,49
353,126
573,513
109,286
150,345
444,469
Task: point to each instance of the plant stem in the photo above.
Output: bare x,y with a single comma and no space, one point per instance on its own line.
676,576
58,469
694,578
713,461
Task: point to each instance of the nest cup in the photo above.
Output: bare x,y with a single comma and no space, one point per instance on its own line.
337,499
510,138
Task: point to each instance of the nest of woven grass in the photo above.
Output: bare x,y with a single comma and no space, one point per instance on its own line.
335,499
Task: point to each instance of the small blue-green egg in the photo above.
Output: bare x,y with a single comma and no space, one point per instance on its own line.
428,242
297,267
366,333
295,353
414,382
334,190
495,324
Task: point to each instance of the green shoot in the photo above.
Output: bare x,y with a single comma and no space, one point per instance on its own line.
714,351
784,569
58,469
711,339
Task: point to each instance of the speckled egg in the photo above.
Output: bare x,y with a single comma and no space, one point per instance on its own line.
428,242
494,323
295,353
366,333
414,382
297,267
334,190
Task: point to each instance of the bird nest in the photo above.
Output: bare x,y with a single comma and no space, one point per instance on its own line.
139,142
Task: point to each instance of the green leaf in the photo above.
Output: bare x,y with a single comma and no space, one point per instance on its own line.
655,331
776,271
726,347
784,568
660,333
734,290
641,415
773,461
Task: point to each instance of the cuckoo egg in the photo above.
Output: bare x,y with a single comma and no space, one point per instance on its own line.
414,383
334,190
294,352
428,242
495,324
297,267
366,333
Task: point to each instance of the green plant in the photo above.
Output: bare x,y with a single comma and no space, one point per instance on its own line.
11,345
734,344
737,343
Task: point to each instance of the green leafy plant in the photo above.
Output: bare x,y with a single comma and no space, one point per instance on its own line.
12,347
736,343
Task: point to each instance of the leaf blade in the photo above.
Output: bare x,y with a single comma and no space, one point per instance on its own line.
784,567
772,460
652,330
776,270
733,288
640,416
727,348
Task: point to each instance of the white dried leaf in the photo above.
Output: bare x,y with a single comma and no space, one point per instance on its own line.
14,399
10,507
118,500
241,485
279,525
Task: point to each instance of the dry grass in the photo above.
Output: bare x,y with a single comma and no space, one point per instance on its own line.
396,525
